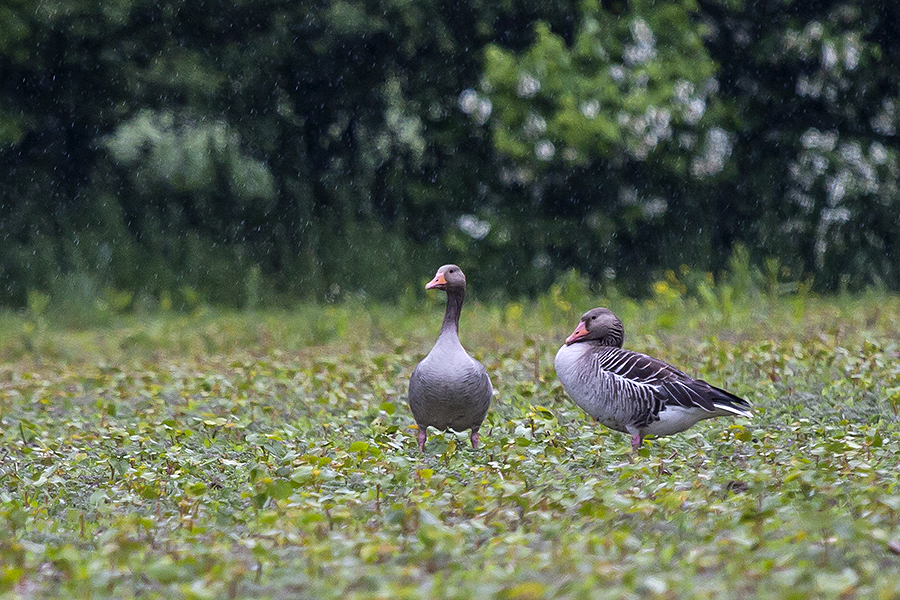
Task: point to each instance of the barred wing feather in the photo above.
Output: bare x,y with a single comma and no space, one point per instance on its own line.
653,385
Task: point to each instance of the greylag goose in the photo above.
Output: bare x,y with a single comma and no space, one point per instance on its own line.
631,392
449,388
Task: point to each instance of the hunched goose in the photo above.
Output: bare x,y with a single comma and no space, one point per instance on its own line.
631,392
449,388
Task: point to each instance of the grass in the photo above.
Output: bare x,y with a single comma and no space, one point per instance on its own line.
272,455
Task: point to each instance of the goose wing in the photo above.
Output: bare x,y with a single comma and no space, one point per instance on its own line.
654,385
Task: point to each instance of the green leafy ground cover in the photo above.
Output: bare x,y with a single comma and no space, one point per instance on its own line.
272,455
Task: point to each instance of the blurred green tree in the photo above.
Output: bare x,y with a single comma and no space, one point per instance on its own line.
256,149
663,134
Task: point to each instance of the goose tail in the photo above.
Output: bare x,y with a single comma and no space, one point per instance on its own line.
731,403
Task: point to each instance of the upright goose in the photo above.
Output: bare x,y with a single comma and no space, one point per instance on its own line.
632,392
449,388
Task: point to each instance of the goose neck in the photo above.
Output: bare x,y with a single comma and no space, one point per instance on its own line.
454,307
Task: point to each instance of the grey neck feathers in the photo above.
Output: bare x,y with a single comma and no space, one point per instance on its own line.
615,335
455,299
611,334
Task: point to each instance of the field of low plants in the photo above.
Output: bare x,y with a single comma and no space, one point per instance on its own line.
272,455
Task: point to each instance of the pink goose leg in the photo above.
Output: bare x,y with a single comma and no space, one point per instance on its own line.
636,441
422,436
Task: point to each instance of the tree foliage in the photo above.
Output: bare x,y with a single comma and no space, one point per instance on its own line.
263,148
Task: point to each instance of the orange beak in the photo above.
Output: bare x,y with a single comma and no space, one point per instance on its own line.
580,332
437,283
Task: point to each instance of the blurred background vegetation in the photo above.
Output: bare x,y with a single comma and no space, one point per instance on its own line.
170,154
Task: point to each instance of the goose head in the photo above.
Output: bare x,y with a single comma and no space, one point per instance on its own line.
448,277
599,324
